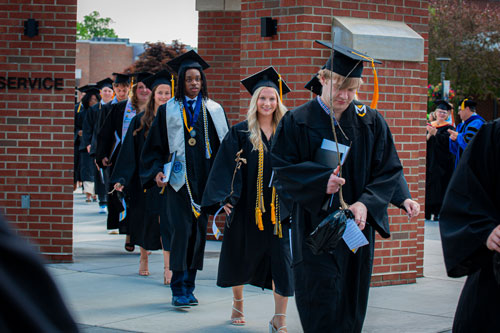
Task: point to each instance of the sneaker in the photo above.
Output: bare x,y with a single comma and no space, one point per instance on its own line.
192,300
180,302
103,210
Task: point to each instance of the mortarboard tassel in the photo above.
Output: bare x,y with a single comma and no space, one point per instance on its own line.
173,81
373,105
79,107
281,88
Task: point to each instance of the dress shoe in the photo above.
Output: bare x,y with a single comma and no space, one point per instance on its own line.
180,302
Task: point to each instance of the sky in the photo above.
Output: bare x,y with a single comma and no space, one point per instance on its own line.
147,20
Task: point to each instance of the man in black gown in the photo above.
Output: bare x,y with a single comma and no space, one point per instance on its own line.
332,288
470,231
192,126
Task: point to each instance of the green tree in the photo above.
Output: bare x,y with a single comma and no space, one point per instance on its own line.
94,25
469,34
156,56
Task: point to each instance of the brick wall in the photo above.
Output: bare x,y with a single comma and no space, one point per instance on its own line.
402,96
98,60
36,125
219,44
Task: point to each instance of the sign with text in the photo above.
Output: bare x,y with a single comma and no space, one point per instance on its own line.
44,83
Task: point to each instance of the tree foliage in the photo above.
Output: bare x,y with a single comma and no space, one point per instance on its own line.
469,34
156,56
94,25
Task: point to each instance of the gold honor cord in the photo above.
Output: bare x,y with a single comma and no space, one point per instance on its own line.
80,106
259,204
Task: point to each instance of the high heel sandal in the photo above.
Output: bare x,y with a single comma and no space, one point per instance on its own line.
142,271
238,321
273,329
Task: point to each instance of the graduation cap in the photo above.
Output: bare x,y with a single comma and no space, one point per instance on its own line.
107,82
121,78
266,78
346,61
349,63
162,77
467,103
141,76
441,104
314,85
190,59
87,88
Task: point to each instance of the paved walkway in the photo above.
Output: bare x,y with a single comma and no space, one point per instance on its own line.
106,294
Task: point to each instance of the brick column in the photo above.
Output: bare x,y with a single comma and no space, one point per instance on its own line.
36,126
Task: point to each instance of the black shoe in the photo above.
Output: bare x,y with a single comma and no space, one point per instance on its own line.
180,302
192,300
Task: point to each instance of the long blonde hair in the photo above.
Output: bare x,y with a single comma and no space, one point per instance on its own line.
252,117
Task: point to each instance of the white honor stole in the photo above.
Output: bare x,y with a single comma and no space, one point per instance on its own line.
175,130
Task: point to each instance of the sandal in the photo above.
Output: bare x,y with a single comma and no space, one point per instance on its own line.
273,329
238,321
130,247
143,271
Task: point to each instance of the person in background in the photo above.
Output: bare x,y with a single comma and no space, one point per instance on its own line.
143,206
256,245
90,130
109,141
439,161
86,169
192,126
470,125
470,231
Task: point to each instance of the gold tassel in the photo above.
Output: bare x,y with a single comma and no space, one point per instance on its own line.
281,88
273,206
258,219
195,212
172,85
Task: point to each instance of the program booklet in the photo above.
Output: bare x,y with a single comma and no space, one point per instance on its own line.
167,167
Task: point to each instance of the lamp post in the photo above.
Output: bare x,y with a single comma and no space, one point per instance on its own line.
443,61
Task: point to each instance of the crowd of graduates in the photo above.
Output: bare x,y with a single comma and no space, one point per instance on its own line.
162,157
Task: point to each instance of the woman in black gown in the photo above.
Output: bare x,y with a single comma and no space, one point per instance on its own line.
256,248
440,161
144,206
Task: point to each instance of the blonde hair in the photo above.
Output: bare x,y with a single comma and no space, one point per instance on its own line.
348,83
252,117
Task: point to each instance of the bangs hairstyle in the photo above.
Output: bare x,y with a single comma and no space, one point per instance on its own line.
349,83
149,113
180,89
121,84
252,117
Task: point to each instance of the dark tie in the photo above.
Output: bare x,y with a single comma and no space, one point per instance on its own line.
190,104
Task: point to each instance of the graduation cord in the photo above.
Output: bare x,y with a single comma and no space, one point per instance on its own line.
259,201
195,208
208,153
259,204
79,107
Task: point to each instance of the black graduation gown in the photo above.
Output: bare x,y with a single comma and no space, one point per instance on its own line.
90,130
188,240
144,227
248,255
438,170
86,162
30,301
336,285
76,143
105,143
470,213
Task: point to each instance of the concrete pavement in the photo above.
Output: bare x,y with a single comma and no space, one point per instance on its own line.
103,289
